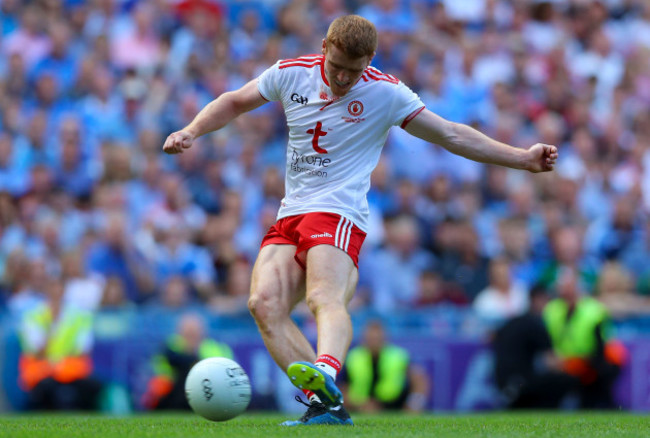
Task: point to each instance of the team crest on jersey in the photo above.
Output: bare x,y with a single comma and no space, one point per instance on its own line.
355,108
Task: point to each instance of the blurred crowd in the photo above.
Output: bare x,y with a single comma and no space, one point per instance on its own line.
90,89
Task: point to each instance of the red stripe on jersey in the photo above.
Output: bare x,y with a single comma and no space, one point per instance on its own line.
392,80
383,75
299,64
306,58
411,117
308,61
322,71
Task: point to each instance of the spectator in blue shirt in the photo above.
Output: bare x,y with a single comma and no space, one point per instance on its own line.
115,255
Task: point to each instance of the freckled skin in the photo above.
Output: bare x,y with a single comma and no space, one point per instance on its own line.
341,71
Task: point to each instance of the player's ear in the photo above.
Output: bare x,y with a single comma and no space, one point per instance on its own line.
324,47
371,58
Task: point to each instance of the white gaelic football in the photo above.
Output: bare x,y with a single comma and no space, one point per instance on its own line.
218,389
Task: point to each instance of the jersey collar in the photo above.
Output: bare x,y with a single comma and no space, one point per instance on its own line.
322,70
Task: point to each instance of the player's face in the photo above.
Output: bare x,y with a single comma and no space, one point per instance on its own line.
342,72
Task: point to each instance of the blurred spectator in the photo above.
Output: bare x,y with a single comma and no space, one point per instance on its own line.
55,363
609,237
396,288
9,16
31,147
176,208
139,47
461,262
580,330
433,291
114,297
517,249
234,299
59,62
174,255
635,260
13,177
175,293
81,289
381,376
527,372
28,39
166,389
74,174
195,39
566,243
503,298
388,16
115,255
28,279
615,289
103,108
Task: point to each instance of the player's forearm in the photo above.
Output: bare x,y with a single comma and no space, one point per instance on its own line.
474,145
215,115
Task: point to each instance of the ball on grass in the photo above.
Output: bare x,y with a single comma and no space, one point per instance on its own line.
218,389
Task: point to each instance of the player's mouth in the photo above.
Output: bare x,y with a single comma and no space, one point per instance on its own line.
342,84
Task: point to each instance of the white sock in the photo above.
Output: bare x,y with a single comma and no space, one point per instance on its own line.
328,369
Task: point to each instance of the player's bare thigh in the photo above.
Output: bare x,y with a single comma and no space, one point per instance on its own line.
330,272
277,280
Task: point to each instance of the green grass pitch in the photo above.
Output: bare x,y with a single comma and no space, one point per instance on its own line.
542,424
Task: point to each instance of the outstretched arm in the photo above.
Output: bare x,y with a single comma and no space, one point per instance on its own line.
215,115
470,143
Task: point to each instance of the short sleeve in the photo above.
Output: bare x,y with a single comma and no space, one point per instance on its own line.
268,83
406,105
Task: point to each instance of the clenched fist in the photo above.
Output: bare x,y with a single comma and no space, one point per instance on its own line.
177,141
541,158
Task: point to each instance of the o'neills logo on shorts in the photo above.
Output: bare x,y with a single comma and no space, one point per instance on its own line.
316,236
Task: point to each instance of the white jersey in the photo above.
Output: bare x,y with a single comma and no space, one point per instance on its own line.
334,143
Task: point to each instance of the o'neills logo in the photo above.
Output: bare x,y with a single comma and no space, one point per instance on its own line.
316,236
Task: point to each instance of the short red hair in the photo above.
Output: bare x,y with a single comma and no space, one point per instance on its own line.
353,35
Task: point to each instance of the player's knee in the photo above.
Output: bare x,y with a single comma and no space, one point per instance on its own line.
322,299
264,305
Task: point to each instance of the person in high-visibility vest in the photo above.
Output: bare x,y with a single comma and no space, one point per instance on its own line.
166,389
527,372
579,327
380,376
55,366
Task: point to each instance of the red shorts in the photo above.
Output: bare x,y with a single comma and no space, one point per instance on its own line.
311,229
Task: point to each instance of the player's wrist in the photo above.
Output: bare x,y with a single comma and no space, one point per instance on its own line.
528,159
191,131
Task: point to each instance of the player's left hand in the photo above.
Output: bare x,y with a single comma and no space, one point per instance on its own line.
177,141
541,157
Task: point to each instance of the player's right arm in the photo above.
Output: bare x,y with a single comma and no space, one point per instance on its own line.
215,115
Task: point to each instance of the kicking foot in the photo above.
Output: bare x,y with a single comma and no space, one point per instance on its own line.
305,375
318,413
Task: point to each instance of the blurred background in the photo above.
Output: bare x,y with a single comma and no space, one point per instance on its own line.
113,255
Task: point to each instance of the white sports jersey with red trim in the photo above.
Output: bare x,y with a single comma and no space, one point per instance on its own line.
334,143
